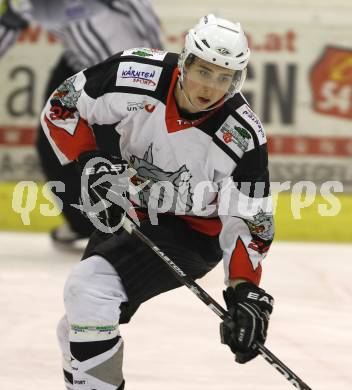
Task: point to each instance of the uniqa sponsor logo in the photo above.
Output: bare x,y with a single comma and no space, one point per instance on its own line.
132,106
139,75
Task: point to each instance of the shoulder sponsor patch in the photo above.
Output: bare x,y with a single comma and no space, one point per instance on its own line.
133,74
153,54
249,116
235,136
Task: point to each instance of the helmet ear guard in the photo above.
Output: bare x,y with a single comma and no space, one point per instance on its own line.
220,42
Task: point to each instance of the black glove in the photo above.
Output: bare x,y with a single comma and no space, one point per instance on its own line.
249,307
104,187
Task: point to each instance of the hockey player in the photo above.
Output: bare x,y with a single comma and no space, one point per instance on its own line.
90,31
198,154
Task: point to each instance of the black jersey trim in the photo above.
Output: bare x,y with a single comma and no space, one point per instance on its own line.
101,79
236,102
226,149
170,59
212,125
248,127
233,104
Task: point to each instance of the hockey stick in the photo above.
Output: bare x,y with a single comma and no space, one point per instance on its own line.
131,228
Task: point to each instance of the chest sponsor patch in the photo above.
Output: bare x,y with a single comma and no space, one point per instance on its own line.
153,54
234,135
249,116
133,74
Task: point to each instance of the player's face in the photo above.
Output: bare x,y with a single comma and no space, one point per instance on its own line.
205,83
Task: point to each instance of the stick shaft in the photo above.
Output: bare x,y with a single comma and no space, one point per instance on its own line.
131,228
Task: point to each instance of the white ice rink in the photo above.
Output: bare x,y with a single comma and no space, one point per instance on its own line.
172,343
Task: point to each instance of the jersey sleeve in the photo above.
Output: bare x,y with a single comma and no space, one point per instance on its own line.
245,209
74,108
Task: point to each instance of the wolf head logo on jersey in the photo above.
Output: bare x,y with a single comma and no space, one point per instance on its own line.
66,94
180,180
262,231
261,225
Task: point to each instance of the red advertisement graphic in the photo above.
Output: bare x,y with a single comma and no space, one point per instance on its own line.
14,136
331,82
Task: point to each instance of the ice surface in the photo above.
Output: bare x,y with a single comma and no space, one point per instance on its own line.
172,343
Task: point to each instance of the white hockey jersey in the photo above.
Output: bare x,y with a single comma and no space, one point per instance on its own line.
90,30
215,163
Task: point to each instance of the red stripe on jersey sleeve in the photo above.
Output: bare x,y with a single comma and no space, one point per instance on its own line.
241,265
72,146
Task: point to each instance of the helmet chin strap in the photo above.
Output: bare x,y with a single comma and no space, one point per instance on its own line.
184,94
